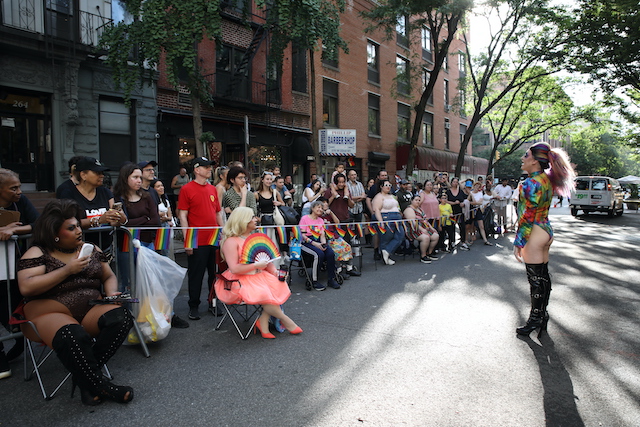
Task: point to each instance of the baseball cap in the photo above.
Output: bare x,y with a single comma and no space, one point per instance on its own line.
200,161
90,164
146,163
404,181
468,184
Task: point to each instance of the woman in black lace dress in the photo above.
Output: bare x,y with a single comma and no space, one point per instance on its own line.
58,286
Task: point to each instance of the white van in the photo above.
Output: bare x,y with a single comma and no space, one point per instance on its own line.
597,194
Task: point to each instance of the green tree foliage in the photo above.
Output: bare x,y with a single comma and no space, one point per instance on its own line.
527,113
598,150
606,41
443,18
524,46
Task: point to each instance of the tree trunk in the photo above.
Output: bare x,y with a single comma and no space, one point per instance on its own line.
197,124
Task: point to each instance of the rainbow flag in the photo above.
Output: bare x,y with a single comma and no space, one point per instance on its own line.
360,230
330,234
191,238
163,239
372,229
316,232
382,228
214,240
126,241
352,233
295,232
341,231
281,233
135,233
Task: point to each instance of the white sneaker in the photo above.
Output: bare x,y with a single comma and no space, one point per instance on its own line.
386,259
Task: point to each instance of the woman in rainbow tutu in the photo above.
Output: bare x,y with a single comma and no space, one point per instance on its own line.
251,275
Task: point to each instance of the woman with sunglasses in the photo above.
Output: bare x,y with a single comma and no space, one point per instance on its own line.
387,209
549,171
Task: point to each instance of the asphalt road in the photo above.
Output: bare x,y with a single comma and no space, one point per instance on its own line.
410,344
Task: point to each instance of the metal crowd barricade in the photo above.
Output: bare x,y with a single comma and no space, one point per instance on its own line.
9,262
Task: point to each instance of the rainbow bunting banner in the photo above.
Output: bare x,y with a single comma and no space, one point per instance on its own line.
316,232
330,234
163,239
372,229
382,228
214,240
191,238
360,230
295,232
351,231
341,231
281,233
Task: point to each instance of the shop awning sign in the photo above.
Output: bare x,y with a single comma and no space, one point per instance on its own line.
337,142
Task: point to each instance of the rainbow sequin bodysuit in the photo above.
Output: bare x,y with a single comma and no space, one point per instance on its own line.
536,195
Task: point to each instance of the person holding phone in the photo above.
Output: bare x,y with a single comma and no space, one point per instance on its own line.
58,286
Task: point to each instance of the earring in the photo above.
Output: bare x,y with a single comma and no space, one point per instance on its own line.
57,239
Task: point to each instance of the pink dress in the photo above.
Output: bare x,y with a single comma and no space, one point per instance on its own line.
256,288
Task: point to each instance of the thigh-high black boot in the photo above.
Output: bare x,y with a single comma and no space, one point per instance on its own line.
74,348
538,292
114,326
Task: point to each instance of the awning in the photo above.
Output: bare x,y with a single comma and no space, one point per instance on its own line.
437,160
375,156
300,149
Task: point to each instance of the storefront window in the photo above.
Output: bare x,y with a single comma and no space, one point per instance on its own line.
262,158
187,150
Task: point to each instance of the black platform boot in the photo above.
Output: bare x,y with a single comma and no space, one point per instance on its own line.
73,347
537,284
114,327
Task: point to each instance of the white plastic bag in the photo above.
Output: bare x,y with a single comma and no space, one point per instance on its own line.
158,282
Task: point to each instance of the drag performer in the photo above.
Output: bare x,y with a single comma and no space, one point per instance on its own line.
549,170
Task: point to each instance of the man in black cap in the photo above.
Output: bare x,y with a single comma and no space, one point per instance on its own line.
404,194
198,206
148,169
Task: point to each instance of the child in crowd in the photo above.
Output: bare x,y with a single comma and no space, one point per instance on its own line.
446,224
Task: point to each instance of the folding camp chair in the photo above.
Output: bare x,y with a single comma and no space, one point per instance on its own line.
37,353
248,313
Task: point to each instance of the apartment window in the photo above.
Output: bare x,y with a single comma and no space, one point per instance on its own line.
427,129
374,114
402,75
462,65
404,121
447,133
329,58
462,94
373,62
273,85
402,36
117,122
299,69
426,75
426,44
447,105
231,78
330,103
463,132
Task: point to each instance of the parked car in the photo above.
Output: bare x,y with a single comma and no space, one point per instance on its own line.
597,194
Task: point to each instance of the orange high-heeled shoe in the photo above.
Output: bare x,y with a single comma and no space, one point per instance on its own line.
296,331
267,335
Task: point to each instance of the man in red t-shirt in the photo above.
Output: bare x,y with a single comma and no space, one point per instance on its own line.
199,206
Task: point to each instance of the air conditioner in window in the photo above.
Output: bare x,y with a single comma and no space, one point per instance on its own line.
447,125
447,107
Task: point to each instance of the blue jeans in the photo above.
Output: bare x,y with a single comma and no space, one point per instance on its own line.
393,238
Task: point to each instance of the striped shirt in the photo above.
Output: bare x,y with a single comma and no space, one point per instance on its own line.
356,190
